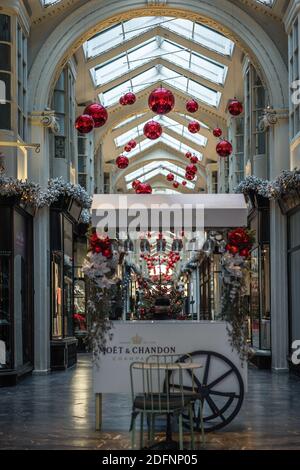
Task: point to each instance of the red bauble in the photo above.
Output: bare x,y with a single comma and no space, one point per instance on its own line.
170,177
233,249
235,107
175,184
190,176
217,132
143,188
122,162
135,184
194,127
191,169
152,130
224,148
194,159
188,154
238,237
122,101
192,106
132,143
84,123
107,253
184,183
98,113
129,98
245,253
161,101
127,148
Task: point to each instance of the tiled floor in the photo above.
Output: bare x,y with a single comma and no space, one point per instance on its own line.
57,412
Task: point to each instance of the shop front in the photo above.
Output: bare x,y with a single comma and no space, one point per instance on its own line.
64,217
16,291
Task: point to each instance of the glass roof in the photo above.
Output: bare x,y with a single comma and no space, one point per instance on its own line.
47,3
121,32
266,2
127,121
164,191
161,74
165,122
158,168
159,48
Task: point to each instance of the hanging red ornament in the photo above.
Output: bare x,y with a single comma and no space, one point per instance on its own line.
122,101
192,106
122,162
152,130
194,127
235,107
170,177
107,253
190,176
135,184
127,148
217,132
129,98
224,148
132,143
194,159
84,123
188,154
191,169
184,183
245,253
161,101
175,184
98,113
143,188
233,249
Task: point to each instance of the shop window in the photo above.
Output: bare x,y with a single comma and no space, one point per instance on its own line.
22,82
260,298
294,274
59,105
5,313
255,103
294,76
5,72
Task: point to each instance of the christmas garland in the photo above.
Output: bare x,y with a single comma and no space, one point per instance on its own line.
31,193
288,181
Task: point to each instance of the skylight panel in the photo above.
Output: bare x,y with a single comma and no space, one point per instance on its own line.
182,130
127,121
157,168
203,35
163,74
47,3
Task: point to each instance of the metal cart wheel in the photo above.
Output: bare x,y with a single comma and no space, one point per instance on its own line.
218,385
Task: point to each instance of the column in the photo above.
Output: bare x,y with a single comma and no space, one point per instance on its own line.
39,172
276,121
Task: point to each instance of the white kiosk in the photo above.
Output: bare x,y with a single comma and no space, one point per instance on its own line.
222,380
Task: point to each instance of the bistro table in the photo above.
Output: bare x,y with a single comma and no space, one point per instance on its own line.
189,366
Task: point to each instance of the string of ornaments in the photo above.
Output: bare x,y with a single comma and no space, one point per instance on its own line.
161,101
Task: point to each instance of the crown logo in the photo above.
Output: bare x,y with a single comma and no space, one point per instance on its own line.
136,339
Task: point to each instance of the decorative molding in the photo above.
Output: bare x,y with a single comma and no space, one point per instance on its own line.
16,7
261,8
45,119
271,116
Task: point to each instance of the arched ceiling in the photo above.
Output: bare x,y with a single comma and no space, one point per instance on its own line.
140,54
190,59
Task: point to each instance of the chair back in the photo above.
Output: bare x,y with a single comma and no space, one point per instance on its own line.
157,383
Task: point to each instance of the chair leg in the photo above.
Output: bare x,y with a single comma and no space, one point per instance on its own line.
152,428
142,431
192,427
133,432
180,432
